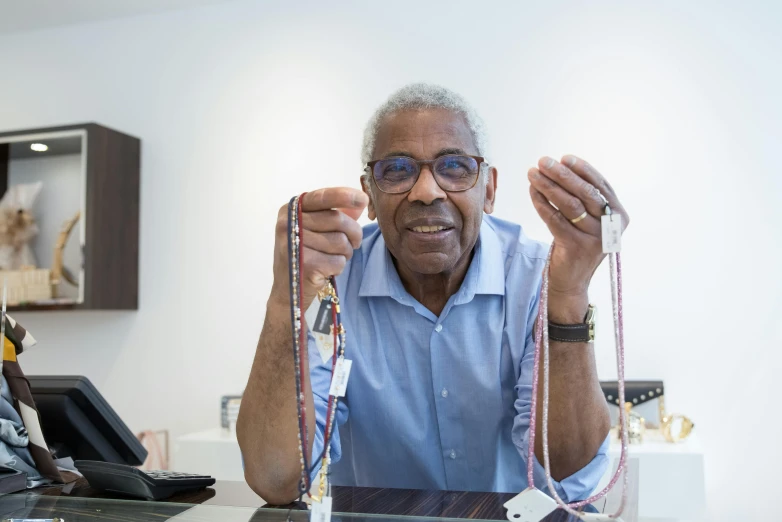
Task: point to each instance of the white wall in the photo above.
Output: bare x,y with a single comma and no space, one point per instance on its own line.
235,103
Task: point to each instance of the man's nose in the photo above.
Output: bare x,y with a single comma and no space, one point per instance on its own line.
426,190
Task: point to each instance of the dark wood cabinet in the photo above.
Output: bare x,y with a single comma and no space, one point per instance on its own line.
109,172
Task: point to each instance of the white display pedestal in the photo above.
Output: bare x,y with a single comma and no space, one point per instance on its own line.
212,452
671,482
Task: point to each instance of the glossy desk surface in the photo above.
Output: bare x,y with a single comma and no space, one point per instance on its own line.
235,502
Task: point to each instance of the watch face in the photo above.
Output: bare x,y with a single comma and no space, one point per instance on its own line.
591,321
591,316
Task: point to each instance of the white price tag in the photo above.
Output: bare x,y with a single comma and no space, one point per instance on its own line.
339,382
324,342
611,226
321,511
531,505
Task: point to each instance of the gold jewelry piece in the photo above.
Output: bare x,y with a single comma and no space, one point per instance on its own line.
661,409
684,432
636,425
579,218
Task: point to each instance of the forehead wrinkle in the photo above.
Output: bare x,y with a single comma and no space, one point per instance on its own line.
457,139
428,144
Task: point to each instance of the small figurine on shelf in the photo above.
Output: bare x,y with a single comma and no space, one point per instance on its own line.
18,226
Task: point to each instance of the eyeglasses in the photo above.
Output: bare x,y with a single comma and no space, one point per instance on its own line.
452,172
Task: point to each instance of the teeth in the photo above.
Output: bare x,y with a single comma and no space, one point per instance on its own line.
428,229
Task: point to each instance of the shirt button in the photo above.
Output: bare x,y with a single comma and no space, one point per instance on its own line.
444,393
453,454
438,328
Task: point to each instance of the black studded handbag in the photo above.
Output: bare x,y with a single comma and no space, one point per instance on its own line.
647,399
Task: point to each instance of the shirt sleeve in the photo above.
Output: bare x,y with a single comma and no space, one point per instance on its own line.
320,381
580,484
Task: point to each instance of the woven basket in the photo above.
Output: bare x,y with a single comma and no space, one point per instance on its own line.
41,284
33,284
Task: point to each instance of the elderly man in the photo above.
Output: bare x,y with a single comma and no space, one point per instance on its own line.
439,300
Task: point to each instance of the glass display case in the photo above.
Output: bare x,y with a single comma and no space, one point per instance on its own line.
229,501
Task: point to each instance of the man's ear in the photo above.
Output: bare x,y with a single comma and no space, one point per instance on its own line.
368,191
491,191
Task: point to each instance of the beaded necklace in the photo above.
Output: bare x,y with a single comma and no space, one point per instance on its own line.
338,333
542,338
299,347
300,353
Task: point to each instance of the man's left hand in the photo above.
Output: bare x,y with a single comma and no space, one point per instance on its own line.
566,194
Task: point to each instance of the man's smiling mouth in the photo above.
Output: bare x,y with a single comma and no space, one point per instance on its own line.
429,229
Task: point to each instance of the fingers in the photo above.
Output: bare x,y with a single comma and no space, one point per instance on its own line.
319,265
329,236
333,221
324,221
348,199
332,243
556,222
582,189
354,212
590,174
570,207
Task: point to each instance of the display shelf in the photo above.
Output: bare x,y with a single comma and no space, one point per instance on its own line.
95,171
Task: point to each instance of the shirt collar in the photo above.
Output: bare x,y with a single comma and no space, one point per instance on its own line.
486,274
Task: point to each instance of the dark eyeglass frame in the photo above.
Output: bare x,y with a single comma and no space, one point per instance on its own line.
370,167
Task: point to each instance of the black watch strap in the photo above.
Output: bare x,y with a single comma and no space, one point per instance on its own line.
568,333
574,333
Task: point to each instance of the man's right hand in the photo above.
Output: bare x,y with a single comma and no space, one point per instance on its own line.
330,233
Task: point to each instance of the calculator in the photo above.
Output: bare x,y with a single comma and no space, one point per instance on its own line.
150,485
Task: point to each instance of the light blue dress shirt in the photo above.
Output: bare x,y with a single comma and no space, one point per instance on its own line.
440,402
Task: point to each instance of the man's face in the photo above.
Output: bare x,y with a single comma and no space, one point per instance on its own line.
428,134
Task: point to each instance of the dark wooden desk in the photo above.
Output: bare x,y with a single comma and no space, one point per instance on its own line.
354,500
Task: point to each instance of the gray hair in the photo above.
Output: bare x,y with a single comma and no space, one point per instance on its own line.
416,96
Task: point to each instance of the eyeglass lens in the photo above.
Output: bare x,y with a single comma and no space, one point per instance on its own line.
452,172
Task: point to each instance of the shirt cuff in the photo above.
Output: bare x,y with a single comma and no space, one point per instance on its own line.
580,484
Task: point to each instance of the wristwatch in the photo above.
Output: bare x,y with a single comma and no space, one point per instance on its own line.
575,333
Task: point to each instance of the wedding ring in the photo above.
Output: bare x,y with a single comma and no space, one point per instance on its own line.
579,218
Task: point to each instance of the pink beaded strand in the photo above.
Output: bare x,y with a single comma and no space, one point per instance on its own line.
533,402
541,338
